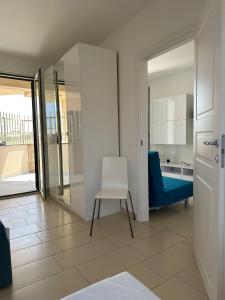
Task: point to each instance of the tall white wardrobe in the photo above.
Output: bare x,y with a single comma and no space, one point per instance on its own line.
82,125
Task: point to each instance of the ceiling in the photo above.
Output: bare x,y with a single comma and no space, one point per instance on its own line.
44,29
172,61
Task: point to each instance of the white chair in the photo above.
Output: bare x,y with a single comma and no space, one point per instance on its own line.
114,185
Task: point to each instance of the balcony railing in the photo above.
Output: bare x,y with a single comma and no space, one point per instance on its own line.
18,129
15,129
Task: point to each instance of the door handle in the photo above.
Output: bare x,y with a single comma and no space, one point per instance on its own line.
212,143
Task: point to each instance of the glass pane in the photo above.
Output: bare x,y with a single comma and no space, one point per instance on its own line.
75,142
17,160
52,133
65,149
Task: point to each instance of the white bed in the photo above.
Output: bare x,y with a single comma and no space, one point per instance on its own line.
122,286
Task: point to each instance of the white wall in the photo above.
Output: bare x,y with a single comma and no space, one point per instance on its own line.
18,65
161,21
181,82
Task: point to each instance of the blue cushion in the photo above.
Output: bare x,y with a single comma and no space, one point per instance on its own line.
177,189
155,182
165,190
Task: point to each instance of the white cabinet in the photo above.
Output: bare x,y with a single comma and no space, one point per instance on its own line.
180,171
91,92
179,107
87,97
171,120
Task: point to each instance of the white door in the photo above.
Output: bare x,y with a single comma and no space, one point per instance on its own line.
207,155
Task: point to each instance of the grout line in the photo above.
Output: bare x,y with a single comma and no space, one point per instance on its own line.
89,283
161,251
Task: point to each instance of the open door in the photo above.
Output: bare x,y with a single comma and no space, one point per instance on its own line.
40,129
208,166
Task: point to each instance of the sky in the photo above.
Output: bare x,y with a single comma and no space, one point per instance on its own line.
16,104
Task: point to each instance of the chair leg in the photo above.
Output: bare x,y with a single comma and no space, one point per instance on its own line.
186,203
131,202
99,207
93,216
131,230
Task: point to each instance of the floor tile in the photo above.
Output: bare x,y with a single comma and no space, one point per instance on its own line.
79,238
52,288
56,232
31,273
10,210
20,222
192,276
45,211
185,230
145,275
39,218
156,243
175,288
14,216
114,223
171,216
59,221
124,238
110,264
24,242
171,261
24,230
28,255
8,203
188,242
83,254
26,200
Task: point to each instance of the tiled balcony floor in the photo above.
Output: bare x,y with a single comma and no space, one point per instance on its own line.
18,184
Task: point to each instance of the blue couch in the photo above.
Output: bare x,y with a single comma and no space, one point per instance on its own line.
165,190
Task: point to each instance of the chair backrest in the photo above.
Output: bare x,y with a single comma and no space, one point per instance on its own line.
155,182
114,173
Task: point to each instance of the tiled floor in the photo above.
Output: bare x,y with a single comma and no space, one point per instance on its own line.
18,184
53,255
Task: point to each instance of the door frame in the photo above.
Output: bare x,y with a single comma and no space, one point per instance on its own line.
29,79
142,137
35,135
141,81
39,77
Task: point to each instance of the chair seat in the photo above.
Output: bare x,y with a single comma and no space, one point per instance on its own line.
112,194
177,189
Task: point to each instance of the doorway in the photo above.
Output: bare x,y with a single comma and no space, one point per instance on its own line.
18,169
171,104
170,138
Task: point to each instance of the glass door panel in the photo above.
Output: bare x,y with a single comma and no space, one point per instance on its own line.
65,143
75,146
52,132
40,128
62,114
57,132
